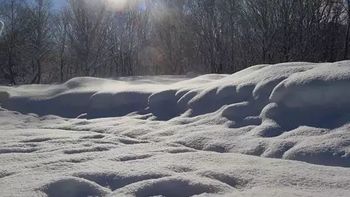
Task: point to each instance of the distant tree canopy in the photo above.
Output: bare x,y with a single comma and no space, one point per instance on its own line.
110,38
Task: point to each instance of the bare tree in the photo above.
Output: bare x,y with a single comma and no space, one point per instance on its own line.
12,12
39,36
347,38
86,34
60,37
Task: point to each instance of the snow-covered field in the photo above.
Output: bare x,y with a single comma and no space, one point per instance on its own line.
269,130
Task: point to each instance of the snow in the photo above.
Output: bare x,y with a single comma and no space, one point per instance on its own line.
269,130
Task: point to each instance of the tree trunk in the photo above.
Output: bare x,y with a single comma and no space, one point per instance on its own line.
346,49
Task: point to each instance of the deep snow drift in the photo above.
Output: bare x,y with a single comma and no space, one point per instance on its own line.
176,136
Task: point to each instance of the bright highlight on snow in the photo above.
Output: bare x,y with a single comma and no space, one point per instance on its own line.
269,130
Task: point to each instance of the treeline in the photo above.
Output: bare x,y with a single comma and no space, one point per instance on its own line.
107,38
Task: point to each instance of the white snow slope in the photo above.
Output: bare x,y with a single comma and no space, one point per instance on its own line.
269,130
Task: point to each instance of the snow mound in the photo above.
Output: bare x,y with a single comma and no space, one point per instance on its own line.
137,156
297,111
73,187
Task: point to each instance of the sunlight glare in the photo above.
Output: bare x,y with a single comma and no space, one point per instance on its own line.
117,4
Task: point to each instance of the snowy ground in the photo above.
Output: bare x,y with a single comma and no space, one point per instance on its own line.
270,130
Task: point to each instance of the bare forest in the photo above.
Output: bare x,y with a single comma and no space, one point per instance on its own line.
43,43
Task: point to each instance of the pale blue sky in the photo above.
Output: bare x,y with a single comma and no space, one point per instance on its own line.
58,3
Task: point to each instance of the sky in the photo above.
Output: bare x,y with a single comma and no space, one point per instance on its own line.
58,3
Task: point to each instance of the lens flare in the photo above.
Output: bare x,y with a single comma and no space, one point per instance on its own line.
120,5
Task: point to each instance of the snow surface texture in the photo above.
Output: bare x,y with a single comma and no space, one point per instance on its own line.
176,136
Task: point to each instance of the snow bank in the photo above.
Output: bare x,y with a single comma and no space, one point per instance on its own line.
136,156
287,110
147,168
